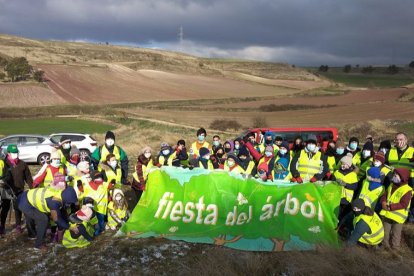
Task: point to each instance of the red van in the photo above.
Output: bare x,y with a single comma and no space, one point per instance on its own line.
323,134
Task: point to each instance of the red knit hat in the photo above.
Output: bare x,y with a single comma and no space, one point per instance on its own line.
403,173
380,157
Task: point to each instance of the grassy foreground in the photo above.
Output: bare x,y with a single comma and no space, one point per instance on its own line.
370,81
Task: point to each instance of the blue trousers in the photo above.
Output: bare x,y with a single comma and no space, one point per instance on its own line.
101,223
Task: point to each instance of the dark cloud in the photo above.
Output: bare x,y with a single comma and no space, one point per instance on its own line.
297,31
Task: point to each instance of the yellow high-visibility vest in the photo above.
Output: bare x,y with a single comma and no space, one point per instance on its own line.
404,161
37,198
306,167
399,216
350,178
105,152
49,177
377,229
145,171
117,175
121,213
196,146
100,197
370,197
80,242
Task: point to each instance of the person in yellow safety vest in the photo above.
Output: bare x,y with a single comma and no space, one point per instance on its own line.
372,188
367,157
334,153
99,190
80,221
203,161
231,164
395,205
42,204
310,164
45,176
348,179
81,179
65,146
353,149
401,156
111,171
118,212
367,225
281,167
180,155
145,163
245,161
200,143
268,140
71,165
100,153
166,155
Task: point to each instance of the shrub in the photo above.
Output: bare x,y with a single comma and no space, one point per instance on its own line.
393,69
259,122
347,68
225,125
38,75
367,70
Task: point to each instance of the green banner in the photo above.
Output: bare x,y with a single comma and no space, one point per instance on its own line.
221,208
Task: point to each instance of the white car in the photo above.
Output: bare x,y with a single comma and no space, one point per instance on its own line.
32,148
84,142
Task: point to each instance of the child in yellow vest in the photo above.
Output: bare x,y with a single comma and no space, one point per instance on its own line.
84,230
117,210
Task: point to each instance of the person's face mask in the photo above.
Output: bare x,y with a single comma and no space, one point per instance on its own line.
377,164
75,159
366,153
311,147
384,150
230,163
227,149
340,151
165,152
201,137
283,151
147,155
206,157
242,157
109,142
216,143
236,146
268,142
396,179
268,153
14,156
66,146
220,154
113,164
344,167
55,163
353,145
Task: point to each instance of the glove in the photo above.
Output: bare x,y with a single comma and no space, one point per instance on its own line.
111,184
328,176
313,179
293,180
299,180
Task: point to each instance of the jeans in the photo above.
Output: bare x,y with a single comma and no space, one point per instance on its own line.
101,223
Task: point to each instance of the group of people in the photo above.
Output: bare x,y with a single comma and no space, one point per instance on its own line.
78,199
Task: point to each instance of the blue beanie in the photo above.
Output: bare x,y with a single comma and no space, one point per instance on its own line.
203,151
69,196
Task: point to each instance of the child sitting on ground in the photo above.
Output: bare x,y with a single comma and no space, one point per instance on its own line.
117,210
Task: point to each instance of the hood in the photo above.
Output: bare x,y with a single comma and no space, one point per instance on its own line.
404,174
69,196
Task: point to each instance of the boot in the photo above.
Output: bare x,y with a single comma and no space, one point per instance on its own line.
2,230
19,229
60,236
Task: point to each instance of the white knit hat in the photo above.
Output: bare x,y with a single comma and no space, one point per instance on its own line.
347,159
55,155
85,213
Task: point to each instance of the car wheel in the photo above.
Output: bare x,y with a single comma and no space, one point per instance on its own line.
43,158
84,154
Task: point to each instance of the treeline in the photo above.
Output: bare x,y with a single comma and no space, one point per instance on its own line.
18,69
391,69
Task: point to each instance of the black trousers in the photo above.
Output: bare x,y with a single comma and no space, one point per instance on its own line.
5,208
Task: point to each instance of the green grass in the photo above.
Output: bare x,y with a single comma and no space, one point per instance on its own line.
51,125
370,80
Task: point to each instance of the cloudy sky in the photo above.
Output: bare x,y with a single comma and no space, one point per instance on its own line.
301,32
